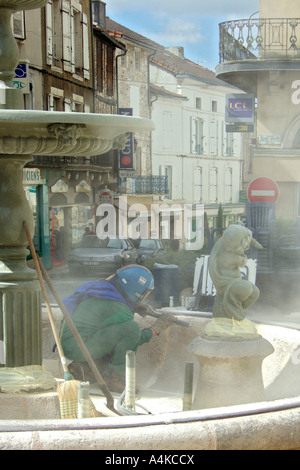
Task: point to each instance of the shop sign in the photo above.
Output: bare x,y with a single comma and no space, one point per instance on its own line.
106,197
32,176
269,139
239,127
126,154
239,108
21,78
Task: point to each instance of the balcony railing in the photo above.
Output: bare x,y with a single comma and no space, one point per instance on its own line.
144,185
259,38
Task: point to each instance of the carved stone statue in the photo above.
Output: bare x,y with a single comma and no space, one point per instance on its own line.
234,294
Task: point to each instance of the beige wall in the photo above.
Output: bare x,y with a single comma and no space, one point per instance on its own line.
279,9
277,102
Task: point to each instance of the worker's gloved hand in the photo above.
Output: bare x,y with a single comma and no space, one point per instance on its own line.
143,310
164,321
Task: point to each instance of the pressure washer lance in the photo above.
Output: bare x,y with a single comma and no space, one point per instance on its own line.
145,310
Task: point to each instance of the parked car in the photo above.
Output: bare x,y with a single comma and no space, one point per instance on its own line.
101,257
146,247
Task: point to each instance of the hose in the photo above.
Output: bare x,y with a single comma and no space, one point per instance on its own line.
188,417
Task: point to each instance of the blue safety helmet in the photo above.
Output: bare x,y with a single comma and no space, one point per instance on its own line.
135,282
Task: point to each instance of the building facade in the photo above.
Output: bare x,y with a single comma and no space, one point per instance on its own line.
203,162
70,67
262,56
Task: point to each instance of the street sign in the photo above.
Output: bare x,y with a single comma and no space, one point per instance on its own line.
262,190
239,127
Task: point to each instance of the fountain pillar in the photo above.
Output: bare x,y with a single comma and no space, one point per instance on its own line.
230,351
20,299
230,371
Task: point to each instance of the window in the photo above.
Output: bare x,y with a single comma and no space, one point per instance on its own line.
197,136
198,184
137,60
213,134
213,185
167,130
18,25
228,185
123,60
167,171
214,106
99,65
229,144
67,37
56,100
135,100
110,71
198,103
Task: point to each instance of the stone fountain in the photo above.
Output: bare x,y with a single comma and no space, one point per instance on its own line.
231,351
25,133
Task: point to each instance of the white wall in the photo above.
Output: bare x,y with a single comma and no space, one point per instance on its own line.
212,173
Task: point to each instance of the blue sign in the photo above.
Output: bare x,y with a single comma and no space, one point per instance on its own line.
239,108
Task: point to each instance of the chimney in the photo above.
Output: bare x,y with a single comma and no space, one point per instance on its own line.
99,13
176,50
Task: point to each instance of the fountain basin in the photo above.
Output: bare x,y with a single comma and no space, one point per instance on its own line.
271,424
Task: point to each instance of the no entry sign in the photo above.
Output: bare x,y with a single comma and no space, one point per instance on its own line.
262,190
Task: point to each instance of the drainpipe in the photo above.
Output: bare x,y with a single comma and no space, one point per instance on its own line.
117,81
150,106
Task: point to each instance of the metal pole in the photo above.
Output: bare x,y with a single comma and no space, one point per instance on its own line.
129,400
188,387
83,400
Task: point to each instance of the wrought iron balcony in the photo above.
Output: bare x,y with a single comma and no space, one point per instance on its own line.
259,38
144,185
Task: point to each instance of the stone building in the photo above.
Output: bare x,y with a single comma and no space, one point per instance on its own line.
261,55
62,57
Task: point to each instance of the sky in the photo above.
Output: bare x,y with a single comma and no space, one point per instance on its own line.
193,24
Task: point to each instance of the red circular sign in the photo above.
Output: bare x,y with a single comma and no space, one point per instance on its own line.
262,190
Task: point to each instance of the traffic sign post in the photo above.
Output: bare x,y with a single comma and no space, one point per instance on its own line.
262,190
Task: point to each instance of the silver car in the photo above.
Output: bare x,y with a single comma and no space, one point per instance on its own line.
99,257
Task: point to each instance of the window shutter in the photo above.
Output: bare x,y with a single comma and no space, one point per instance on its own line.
67,39
49,33
85,47
68,105
50,102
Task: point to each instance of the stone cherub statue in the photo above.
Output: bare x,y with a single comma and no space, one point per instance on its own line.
234,294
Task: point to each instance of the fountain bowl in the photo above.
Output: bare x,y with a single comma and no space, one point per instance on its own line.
24,132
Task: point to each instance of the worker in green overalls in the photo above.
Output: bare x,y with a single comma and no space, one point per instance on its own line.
102,312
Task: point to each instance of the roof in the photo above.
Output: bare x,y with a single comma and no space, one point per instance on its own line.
112,40
162,91
164,58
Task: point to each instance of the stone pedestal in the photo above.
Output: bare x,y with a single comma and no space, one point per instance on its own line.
230,370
